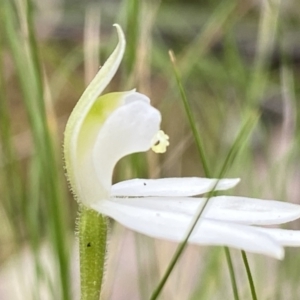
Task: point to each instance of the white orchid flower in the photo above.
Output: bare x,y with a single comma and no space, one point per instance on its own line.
102,130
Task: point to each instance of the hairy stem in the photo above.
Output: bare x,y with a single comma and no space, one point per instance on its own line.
92,243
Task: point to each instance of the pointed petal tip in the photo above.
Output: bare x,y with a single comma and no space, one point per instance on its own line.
274,252
120,31
297,211
235,181
280,254
227,183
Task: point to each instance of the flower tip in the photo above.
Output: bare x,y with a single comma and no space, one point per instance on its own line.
120,32
234,182
280,254
237,180
276,252
227,183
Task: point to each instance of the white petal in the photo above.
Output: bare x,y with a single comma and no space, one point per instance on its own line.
252,211
241,210
173,226
182,205
127,130
289,238
177,187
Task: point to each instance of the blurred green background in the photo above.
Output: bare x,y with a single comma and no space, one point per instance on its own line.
236,59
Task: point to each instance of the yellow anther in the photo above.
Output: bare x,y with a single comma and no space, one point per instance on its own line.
160,142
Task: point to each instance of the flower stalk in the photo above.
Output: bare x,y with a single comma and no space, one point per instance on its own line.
92,245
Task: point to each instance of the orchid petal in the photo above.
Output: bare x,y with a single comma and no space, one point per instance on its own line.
245,210
287,238
173,227
241,210
173,187
78,137
129,129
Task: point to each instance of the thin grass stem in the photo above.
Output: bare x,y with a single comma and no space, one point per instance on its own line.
231,274
191,119
27,68
249,275
239,141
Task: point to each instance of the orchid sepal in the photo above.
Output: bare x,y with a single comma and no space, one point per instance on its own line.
82,128
83,113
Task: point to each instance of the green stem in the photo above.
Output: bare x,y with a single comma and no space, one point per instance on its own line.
92,244
191,118
250,279
232,274
201,152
